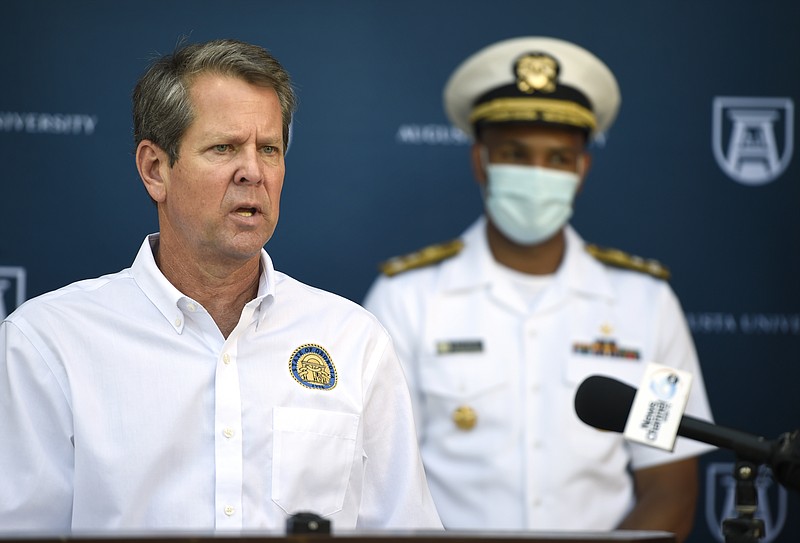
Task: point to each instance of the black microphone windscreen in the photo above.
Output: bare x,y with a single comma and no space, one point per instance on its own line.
604,402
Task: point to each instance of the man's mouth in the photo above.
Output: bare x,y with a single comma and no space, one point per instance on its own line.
246,211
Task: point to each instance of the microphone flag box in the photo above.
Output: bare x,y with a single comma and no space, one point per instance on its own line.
658,406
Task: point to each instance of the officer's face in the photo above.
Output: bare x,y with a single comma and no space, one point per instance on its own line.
531,145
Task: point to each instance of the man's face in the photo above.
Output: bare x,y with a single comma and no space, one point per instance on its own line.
221,198
534,145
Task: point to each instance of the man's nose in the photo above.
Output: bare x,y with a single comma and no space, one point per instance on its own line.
250,167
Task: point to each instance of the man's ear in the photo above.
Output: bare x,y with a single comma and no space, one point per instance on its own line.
152,163
479,160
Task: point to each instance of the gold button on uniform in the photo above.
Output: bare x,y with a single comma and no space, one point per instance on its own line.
465,418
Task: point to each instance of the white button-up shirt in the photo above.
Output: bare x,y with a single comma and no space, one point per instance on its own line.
122,407
472,344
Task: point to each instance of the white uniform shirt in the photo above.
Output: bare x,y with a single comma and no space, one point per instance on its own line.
122,407
468,340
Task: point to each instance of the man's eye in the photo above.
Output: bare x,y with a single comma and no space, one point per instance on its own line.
563,159
222,147
511,154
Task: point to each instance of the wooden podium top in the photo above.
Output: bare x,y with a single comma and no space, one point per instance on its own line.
623,536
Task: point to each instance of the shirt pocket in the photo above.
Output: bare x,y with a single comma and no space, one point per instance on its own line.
468,385
313,455
579,367
459,378
604,451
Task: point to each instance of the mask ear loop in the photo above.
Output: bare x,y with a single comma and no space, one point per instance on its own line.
483,157
483,152
581,169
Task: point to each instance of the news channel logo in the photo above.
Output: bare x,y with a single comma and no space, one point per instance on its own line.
665,384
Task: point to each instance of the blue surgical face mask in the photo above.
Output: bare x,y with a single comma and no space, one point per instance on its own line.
529,204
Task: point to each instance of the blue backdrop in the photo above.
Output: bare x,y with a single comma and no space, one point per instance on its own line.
697,171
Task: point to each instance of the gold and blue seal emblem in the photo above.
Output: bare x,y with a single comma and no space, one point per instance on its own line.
312,367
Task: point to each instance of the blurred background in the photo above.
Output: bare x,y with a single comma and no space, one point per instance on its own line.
374,169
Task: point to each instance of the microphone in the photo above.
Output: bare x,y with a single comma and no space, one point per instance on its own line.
604,403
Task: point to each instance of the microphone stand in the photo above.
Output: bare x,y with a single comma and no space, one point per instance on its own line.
745,528
783,457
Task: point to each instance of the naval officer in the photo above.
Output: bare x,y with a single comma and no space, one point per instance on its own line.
497,329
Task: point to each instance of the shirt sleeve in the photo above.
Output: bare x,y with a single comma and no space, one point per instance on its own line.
386,302
36,450
675,348
395,494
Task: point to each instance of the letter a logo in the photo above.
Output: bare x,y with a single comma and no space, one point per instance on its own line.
753,138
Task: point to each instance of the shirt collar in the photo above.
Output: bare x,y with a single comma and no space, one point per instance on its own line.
581,272
474,267
172,303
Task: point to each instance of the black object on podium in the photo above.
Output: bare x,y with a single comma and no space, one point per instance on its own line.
307,523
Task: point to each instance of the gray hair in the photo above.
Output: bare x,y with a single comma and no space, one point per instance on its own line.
162,110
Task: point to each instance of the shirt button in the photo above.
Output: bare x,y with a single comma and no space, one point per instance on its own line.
178,321
229,510
226,359
191,307
228,432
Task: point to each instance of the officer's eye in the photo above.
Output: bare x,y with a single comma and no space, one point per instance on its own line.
563,159
510,154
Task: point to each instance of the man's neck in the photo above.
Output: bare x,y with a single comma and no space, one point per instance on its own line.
222,289
540,259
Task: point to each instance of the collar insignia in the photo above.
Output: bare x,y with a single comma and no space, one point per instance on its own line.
312,367
432,254
621,259
536,72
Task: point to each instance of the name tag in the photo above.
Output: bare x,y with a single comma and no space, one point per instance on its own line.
455,347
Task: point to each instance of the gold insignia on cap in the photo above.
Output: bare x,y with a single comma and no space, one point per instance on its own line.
621,259
465,418
424,257
536,72
534,109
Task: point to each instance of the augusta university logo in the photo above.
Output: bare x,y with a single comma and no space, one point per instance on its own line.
12,289
772,500
752,137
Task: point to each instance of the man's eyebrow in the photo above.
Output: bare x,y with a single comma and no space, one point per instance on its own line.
218,135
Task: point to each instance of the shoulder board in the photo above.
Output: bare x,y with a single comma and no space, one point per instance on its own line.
424,257
621,259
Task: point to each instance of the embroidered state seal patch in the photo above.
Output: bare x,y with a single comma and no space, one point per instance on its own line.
312,367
